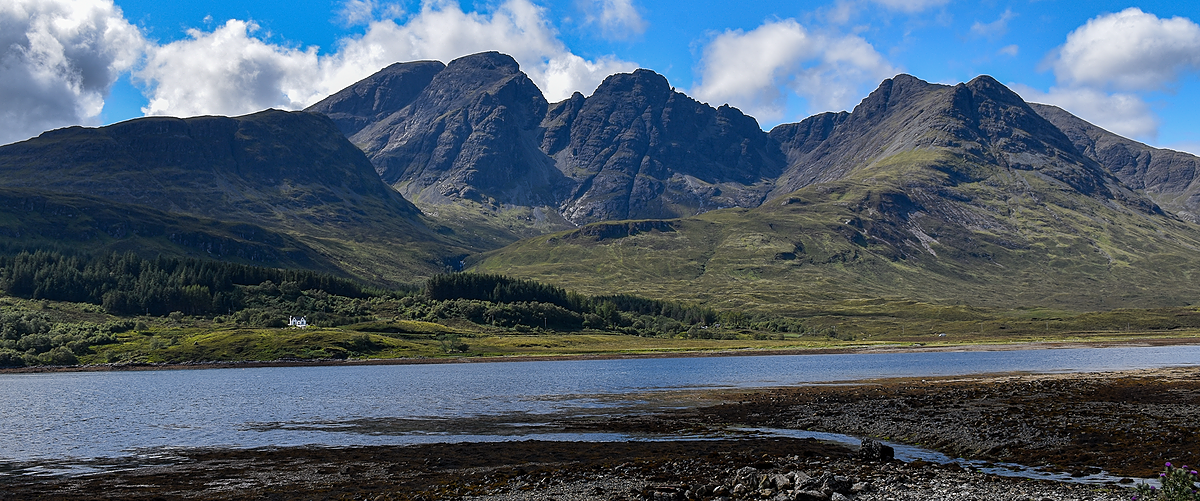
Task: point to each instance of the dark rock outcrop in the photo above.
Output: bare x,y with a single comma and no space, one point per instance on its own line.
472,132
639,149
374,98
481,130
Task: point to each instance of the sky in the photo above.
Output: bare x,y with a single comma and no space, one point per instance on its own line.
1131,68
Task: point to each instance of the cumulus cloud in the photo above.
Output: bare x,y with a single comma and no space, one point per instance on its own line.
757,70
229,71
618,19
1121,113
1107,66
1128,50
58,59
226,72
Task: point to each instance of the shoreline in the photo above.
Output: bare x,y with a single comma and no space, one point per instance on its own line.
1075,423
916,348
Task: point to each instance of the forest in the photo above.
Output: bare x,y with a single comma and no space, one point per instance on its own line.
139,292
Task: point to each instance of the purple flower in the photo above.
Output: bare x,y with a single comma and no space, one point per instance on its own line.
1168,464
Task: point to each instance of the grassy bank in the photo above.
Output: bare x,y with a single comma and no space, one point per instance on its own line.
381,334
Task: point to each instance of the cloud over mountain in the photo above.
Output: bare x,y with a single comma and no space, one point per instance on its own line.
1105,68
751,70
59,58
230,71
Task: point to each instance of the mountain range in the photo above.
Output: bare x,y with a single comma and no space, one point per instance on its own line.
927,192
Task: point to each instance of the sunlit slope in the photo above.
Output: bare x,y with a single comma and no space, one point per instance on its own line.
929,225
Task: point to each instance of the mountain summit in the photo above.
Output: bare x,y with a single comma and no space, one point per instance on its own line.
479,130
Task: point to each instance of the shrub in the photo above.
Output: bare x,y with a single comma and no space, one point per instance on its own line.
1178,484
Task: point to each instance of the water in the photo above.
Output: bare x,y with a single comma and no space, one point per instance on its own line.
82,420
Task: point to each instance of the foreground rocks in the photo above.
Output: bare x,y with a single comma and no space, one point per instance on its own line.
755,469
1125,423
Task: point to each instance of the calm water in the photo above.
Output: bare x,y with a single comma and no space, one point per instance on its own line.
80,417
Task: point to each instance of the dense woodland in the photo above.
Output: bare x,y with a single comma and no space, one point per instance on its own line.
136,290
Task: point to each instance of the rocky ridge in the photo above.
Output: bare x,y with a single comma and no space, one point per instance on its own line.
480,130
1171,178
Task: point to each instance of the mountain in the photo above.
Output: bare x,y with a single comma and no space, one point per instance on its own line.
289,173
947,194
1170,178
479,132
636,148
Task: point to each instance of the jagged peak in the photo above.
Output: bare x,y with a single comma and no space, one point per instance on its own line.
986,86
641,81
490,60
893,91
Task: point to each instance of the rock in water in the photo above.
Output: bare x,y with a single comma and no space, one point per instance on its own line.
872,450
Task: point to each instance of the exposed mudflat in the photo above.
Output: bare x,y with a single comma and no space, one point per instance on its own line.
1126,423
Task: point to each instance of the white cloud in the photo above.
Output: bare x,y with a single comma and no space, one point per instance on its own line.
755,70
226,72
911,6
229,71
1121,113
1009,50
1128,50
618,19
995,28
58,59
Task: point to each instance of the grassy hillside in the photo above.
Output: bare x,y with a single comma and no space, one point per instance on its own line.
292,176
917,227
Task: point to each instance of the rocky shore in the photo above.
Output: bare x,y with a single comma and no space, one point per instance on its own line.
1127,424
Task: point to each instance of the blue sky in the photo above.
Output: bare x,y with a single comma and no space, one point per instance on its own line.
1129,67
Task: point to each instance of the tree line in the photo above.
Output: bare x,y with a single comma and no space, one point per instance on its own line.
127,284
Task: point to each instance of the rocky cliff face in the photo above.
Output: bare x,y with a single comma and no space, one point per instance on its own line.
480,130
471,133
374,98
638,149
1171,178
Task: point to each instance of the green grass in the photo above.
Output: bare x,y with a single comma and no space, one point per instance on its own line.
846,325
1005,242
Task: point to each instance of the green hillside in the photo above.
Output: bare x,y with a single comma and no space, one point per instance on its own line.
292,176
1010,240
